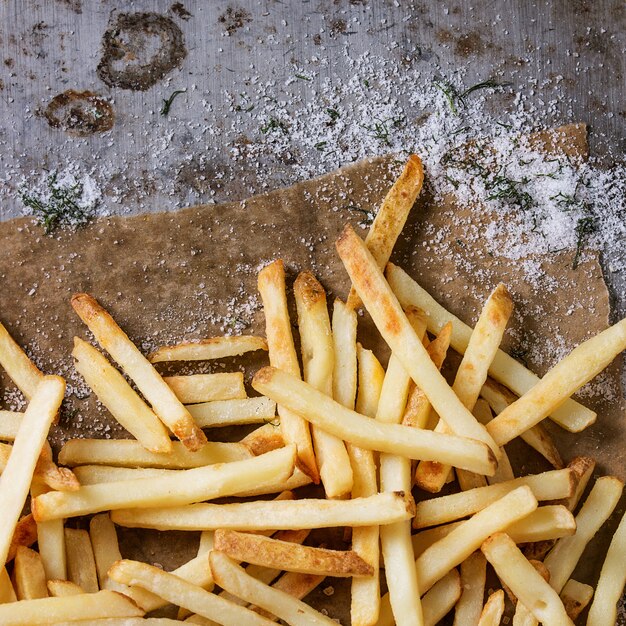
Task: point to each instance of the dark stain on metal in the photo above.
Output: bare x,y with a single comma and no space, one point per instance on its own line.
178,8
9,62
80,113
74,5
234,18
338,26
466,44
139,49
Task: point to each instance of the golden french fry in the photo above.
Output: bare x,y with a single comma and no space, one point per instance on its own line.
552,485
233,412
392,323
344,325
63,588
290,557
106,550
124,621
196,388
50,538
163,400
21,370
473,576
7,593
122,401
282,353
81,565
369,434
18,473
318,361
29,578
207,349
24,534
493,610
183,487
575,597
130,453
571,415
234,579
9,424
265,438
392,216
370,376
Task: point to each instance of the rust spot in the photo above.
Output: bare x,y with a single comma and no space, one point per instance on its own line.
317,39
9,62
74,5
234,18
80,113
469,44
338,26
139,49
178,8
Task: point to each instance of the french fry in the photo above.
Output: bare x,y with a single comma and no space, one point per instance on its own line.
196,388
523,616
7,593
29,578
575,597
106,549
344,325
473,576
371,376
392,323
552,485
84,606
81,565
318,361
234,579
282,353
63,588
380,509
50,538
21,370
163,400
265,438
125,621
24,534
122,401
183,487
208,349
233,412
525,581
18,473
603,611
275,554
9,424
182,593
505,369
47,471
493,610
562,559
369,434
392,216
130,453
297,479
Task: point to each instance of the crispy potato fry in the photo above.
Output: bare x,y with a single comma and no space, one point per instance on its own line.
384,508
21,370
275,554
392,216
473,576
122,621
7,593
183,487
207,349
265,438
24,534
106,549
525,581
575,597
505,369
232,412
81,564
599,504
392,323
611,583
197,388
9,424
552,485
371,376
318,361
51,542
234,579
163,400
282,353
122,401
369,434
344,324
63,588
493,610
18,473
130,453
85,606
29,578
183,593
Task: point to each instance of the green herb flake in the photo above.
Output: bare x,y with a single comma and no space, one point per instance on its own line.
584,227
167,104
274,125
303,77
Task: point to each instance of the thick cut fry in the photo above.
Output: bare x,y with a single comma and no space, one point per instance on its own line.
106,549
571,415
552,485
344,325
282,353
265,438
24,534
21,370
63,588
318,361
30,439
122,401
493,610
297,479
51,542
123,621
392,216
371,377
81,565
600,503
473,576
196,388
9,424
234,579
7,593
29,577
183,487
369,434
182,593
232,412
163,400
207,349
272,553
85,606
575,597
395,328
58,478
611,583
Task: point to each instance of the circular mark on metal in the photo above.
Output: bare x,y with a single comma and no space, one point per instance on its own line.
80,113
139,49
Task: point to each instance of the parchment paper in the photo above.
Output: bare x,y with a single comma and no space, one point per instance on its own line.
191,274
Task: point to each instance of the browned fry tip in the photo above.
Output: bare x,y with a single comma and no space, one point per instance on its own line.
309,289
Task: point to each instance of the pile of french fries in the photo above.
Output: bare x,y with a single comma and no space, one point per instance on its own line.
335,417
